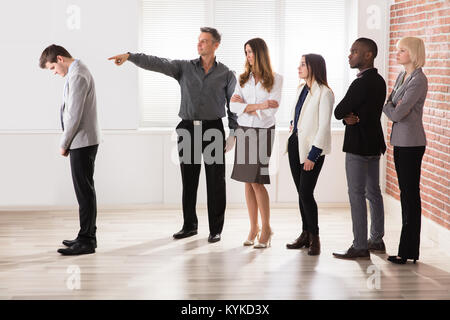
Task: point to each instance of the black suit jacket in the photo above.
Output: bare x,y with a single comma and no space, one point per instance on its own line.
365,98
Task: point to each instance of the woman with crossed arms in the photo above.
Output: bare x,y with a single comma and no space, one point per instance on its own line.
256,99
405,108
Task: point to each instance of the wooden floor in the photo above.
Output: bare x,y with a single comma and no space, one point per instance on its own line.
138,259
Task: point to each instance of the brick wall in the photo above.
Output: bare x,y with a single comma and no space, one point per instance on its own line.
429,20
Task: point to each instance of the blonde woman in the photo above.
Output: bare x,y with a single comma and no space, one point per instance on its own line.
405,108
309,142
256,99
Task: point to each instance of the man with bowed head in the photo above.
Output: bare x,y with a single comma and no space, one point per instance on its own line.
80,140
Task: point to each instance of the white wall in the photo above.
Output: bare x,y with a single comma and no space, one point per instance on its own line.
89,30
139,167
133,166
373,22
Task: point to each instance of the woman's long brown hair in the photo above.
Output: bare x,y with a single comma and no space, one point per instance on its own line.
262,67
317,68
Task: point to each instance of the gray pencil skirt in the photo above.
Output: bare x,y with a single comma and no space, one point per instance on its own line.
252,154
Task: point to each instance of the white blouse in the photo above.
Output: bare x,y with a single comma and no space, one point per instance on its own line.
253,94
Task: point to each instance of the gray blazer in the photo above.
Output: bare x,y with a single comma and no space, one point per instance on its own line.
80,120
407,127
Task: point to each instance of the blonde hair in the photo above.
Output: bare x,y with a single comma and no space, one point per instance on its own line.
416,50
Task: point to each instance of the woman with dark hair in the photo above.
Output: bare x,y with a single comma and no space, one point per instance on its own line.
256,99
309,142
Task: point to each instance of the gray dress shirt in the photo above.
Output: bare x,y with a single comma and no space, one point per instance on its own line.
203,96
407,127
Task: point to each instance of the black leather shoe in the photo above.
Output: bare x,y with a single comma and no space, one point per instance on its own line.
353,254
376,247
398,260
300,242
69,243
214,238
77,248
185,233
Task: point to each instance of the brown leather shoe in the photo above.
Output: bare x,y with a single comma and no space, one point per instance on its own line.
376,247
353,254
300,242
314,245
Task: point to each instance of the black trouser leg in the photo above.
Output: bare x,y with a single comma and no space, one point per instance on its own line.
305,182
190,173
82,162
294,163
214,159
408,161
308,181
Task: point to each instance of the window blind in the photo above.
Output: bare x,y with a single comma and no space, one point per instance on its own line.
170,30
289,27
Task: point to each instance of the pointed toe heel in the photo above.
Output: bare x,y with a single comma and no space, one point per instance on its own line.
251,242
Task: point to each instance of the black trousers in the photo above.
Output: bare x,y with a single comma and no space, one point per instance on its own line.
82,162
305,182
408,161
193,141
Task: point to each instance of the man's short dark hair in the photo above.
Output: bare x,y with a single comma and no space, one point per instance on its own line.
370,45
215,34
50,53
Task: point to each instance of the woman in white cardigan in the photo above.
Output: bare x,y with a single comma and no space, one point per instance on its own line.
309,142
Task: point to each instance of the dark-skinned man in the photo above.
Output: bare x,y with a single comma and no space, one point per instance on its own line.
364,143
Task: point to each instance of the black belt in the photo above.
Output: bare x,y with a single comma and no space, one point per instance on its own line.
199,122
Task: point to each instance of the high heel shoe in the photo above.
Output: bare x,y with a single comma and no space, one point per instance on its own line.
262,245
399,260
249,242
